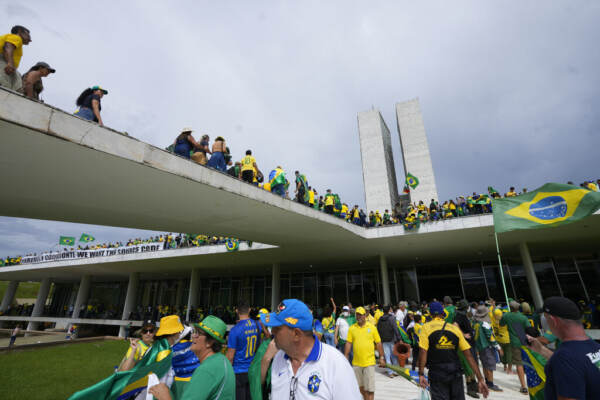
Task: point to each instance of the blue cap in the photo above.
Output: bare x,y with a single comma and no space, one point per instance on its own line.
292,313
435,307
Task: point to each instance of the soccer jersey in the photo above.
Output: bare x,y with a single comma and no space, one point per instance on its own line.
248,163
363,339
243,337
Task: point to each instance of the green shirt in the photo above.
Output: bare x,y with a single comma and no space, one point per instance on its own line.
511,320
450,312
213,379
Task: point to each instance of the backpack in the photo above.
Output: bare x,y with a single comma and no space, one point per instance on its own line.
385,329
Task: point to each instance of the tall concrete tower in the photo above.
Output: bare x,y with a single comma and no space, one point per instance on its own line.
415,150
379,173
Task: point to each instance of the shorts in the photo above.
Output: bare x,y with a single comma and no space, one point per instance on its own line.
248,175
14,81
516,356
507,356
365,376
488,358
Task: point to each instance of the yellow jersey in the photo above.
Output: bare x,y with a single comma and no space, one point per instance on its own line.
362,339
17,41
248,163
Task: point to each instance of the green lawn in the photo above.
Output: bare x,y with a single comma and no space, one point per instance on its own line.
26,290
57,372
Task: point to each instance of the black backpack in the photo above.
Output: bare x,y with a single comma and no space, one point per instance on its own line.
385,329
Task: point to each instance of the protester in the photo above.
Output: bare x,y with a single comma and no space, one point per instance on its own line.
185,143
214,378
516,322
401,312
89,104
386,327
329,202
249,168
503,338
13,335
362,336
341,329
328,323
461,319
32,79
217,159
138,347
300,187
304,368
241,346
572,371
486,345
201,150
439,344
12,51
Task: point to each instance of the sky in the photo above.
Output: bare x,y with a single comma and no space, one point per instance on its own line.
509,91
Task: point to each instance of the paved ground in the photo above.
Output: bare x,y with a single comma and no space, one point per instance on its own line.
45,338
399,388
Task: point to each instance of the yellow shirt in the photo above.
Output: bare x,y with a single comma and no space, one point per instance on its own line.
329,200
378,314
436,325
311,197
328,324
362,339
17,41
248,163
511,194
139,352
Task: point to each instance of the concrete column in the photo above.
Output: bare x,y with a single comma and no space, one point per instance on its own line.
129,305
534,286
9,295
385,280
82,295
40,302
193,294
275,287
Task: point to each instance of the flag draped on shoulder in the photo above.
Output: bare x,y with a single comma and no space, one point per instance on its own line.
551,205
412,180
277,177
66,240
128,384
86,238
232,244
534,364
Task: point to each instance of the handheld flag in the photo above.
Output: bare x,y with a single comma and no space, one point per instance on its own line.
232,244
86,238
66,240
551,205
412,181
533,364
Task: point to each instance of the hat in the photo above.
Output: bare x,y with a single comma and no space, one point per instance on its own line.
41,64
562,307
292,313
169,325
214,327
263,311
435,307
100,88
462,304
498,313
345,308
482,313
187,129
361,310
148,323
447,300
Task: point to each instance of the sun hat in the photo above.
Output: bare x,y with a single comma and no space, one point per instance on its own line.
214,327
96,87
292,313
169,325
482,314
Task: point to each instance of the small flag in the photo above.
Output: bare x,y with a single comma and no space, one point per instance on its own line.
232,244
412,181
86,238
551,205
66,240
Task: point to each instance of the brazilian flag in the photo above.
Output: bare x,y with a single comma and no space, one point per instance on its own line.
232,244
533,364
551,205
86,238
1,262
66,240
412,181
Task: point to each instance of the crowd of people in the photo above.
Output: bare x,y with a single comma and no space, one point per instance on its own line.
292,353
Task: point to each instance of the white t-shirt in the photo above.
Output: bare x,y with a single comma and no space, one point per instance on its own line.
343,327
325,374
400,315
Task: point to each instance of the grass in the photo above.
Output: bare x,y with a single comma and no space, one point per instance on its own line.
57,372
25,290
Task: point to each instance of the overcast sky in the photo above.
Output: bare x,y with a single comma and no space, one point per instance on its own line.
510,91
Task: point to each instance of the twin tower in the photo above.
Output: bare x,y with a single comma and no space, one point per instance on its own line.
379,172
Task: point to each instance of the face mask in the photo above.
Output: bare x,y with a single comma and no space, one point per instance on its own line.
345,313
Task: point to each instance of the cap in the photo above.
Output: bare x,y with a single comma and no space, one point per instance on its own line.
345,308
96,87
562,307
148,323
41,64
290,312
361,310
263,311
169,325
213,326
435,307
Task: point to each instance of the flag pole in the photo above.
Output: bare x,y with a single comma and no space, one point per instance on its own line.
500,264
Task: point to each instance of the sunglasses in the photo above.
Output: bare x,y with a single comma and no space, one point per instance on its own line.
148,331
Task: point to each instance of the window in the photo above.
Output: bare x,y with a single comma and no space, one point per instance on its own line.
437,281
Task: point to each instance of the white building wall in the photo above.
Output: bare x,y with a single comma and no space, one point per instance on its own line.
415,150
379,173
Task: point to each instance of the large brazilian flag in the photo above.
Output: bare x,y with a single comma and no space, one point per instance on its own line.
551,205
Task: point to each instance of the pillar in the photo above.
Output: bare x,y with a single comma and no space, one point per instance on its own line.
9,295
193,293
534,286
275,287
40,302
129,299
82,295
385,280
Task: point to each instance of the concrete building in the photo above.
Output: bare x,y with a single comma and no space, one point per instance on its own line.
379,172
297,252
415,150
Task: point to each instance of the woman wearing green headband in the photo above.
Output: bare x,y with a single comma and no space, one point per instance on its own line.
214,378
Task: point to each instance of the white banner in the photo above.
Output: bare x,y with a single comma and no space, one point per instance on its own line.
79,254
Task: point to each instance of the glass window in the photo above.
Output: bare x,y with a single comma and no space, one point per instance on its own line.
471,270
310,289
546,278
235,292
590,273
339,288
259,292
284,289
325,293
437,281
296,280
493,279
564,265
406,279
370,287
296,292
475,289
571,286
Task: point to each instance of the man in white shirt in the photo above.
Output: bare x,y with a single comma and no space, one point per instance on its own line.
305,368
341,329
401,313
